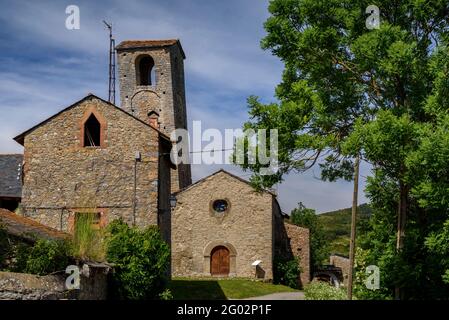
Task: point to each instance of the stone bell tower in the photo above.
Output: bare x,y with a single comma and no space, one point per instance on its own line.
151,75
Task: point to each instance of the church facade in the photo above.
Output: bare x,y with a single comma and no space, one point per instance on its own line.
113,162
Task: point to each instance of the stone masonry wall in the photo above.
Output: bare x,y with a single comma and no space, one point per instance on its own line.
61,176
300,247
23,286
166,97
292,241
343,264
246,229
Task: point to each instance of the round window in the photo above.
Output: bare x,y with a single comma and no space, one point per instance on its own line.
220,206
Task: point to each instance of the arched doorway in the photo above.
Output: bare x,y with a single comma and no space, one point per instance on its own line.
219,261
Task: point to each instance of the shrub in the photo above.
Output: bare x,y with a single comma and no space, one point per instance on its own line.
46,256
141,259
318,290
88,243
5,247
287,272
166,295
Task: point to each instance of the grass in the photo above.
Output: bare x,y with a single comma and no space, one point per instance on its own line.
88,243
214,289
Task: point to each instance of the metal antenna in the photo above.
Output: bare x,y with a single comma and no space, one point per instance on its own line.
111,98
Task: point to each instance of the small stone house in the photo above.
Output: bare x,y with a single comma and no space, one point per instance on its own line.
221,226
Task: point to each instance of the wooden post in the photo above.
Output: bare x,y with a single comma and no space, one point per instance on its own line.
353,225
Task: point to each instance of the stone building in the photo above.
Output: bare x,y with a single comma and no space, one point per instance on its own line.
94,156
151,74
221,226
112,162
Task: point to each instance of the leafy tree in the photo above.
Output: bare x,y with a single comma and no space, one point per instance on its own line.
141,259
381,94
307,218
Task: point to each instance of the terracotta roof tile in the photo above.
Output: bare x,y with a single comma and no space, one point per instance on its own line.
28,229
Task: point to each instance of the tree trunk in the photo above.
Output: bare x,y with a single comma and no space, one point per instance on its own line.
353,226
402,218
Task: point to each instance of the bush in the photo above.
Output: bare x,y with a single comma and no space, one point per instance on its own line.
141,261
318,290
287,272
5,247
166,295
46,256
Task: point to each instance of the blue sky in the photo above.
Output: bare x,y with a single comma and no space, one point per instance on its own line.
44,67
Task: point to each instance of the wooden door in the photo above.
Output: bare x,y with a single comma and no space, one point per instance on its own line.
219,261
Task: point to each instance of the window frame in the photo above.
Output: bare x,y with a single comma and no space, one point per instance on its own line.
103,128
151,77
103,220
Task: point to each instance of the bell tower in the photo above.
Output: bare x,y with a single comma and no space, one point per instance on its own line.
151,76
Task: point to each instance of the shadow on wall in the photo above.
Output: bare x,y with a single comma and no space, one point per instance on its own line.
198,289
288,246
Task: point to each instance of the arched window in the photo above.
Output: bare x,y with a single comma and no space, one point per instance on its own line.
145,71
153,119
92,132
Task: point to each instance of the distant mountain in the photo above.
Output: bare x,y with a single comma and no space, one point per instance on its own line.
337,225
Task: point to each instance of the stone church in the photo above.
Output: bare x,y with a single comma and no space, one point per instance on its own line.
111,162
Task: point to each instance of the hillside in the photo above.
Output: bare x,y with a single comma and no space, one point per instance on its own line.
337,225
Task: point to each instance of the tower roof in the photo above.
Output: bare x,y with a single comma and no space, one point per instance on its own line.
135,44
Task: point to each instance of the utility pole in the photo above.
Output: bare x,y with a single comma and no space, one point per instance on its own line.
353,225
111,94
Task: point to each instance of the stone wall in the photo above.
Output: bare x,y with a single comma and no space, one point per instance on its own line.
166,97
61,176
299,241
342,263
292,241
245,229
23,286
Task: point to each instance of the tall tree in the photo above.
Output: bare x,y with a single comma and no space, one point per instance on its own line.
350,90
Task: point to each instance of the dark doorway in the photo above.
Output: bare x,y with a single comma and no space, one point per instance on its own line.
219,261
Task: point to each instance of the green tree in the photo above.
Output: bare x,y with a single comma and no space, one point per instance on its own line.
307,218
382,94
